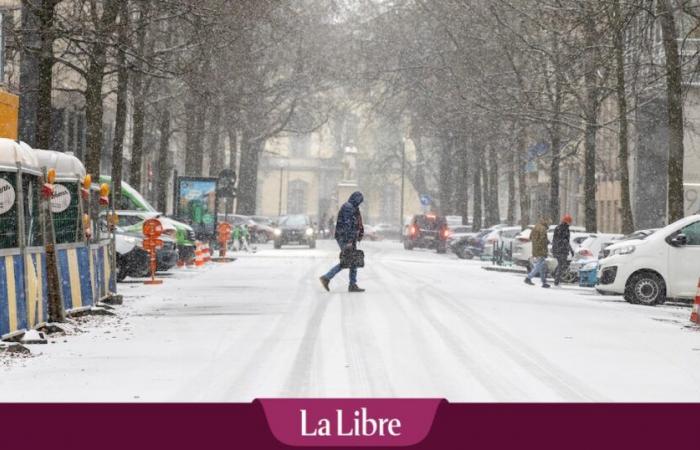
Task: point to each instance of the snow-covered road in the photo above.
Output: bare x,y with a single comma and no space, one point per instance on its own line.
428,326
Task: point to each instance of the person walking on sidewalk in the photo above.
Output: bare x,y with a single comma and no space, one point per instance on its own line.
539,240
561,247
348,232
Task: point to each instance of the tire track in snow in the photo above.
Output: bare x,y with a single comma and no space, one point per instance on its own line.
562,383
488,378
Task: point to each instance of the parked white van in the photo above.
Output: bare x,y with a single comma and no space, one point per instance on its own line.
664,265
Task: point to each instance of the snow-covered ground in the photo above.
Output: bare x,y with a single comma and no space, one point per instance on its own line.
428,326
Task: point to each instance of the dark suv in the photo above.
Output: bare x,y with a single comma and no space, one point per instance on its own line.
427,231
295,229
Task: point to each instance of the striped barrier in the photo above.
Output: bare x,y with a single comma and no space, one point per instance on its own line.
23,291
86,274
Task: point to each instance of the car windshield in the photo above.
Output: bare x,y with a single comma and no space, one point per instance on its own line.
294,221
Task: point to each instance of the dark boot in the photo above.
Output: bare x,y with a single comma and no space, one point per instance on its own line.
355,288
324,282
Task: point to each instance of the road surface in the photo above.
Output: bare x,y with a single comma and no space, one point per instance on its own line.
428,326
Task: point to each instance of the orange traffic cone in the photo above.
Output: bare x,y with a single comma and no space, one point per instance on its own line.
206,253
198,255
695,314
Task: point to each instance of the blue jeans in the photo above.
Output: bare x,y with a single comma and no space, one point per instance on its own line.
539,268
335,269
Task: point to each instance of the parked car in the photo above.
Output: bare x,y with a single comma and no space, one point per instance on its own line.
132,200
262,229
650,270
134,261
498,238
639,234
427,231
387,231
131,222
470,245
295,229
371,233
522,247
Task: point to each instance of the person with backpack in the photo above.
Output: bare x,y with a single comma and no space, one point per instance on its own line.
561,247
348,232
540,241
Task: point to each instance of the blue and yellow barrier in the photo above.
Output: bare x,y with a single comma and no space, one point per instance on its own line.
85,274
23,291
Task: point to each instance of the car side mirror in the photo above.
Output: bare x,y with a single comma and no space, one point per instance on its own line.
679,240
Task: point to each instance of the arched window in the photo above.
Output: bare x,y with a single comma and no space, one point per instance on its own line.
296,197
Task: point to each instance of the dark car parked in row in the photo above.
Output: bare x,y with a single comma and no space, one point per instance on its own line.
427,231
295,229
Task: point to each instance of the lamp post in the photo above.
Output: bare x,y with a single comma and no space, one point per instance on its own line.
283,164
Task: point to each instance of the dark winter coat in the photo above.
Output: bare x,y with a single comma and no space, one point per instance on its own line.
539,240
348,228
561,243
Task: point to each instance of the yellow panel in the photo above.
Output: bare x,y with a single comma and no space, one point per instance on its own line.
74,275
30,298
9,114
11,293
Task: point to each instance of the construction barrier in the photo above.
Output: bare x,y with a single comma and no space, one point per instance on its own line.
39,218
23,281
23,292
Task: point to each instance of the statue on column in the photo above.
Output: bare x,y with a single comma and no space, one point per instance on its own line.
350,164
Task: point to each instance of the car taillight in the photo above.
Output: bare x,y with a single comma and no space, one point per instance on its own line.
585,252
523,240
412,231
445,233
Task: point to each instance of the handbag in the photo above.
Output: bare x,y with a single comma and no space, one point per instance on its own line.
352,258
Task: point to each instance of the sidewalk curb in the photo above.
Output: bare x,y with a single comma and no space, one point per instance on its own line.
504,269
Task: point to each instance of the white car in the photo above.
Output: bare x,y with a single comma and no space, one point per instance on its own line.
500,237
522,247
666,264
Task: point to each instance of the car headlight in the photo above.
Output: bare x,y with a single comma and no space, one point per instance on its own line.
623,250
277,232
309,231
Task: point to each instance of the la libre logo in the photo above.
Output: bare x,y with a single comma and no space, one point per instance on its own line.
357,424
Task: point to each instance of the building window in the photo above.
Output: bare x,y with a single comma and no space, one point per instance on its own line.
296,197
299,145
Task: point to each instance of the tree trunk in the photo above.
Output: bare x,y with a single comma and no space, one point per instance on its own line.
674,92
163,160
462,193
138,90
29,74
591,128
122,93
446,182
248,176
620,89
486,191
495,211
522,179
216,153
94,112
554,178
476,171
94,79
46,59
233,159
510,216
194,156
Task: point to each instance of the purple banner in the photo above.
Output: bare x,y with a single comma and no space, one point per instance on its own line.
455,426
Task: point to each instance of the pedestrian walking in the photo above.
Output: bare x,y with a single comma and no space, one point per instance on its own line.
540,241
236,237
331,227
561,247
348,232
244,237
